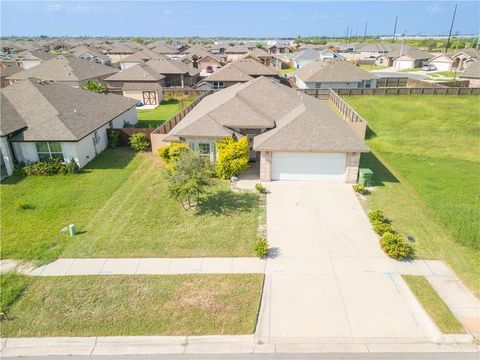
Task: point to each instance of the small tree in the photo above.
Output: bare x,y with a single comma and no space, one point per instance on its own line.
233,157
113,139
171,153
189,179
139,142
96,87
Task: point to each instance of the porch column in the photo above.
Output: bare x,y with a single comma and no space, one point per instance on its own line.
182,81
266,166
352,163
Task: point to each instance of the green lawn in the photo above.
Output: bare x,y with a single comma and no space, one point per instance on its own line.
434,305
136,305
288,71
368,67
121,208
156,117
430,173
57,201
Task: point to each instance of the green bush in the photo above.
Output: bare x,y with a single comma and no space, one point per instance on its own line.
261,247
396,246
359,188
71,167
139,142
113,139
171,153
233,157
45,168
382,228
376,216
12,286
260,188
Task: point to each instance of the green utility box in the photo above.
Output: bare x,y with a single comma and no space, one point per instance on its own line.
365,177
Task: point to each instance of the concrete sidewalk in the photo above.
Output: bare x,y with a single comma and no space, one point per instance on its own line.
146,266
235,344
463,304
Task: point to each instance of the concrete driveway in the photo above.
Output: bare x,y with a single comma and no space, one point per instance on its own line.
328,279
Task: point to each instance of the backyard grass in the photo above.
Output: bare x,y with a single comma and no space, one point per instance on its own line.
369,67
153,118
288,71
55,202
136,305
425,160
121,208
434,305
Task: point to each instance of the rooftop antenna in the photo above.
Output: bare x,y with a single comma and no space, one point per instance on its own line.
365,32
395,28
451,27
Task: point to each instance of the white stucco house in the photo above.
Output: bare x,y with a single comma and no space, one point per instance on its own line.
42,120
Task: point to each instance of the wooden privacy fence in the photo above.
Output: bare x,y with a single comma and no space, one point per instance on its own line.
392,81
179,93
356,123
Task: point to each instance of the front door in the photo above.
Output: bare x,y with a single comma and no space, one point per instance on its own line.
149,98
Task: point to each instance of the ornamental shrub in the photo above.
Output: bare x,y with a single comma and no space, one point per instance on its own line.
171,153
260,188
45,168
382,228
139,142
233,157
113,139
376,216
359,188
396,246
261,247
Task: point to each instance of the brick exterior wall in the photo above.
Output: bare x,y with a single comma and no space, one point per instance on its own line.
351,167
265,166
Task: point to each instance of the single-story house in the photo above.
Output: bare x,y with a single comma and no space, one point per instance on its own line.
139,82
293,136
32,58
118,52
333,74
66,69
8,68
236,51
259,55
140,57
308,56
176,73
42,120
465,57
443,62
161,48
472,74
91,54
410,59
242,70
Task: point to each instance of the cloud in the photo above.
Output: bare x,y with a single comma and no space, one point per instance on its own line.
434,9
317,16
69,8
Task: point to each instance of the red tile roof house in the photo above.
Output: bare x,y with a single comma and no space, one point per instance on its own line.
42,120
293,136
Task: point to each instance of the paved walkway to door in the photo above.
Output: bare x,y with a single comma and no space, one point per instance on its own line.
328,279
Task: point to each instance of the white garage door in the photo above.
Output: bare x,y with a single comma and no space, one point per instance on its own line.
442,66
308,166
403,64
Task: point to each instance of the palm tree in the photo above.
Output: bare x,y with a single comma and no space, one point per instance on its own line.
96,87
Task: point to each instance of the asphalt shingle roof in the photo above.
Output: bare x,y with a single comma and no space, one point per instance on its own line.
57,112
242,70
332,70
139,72
173,67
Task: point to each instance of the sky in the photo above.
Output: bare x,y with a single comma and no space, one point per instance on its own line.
234,18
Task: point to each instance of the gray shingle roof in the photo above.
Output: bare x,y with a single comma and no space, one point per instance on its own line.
332,70
242,70
32,54
142,56
12,121
296,121
307,54
65,68
139,72
58,112
415,54
172,67
472,72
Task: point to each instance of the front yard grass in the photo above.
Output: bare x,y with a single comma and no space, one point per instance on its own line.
434,305
141,220
425,160
136,305
369,67
153,118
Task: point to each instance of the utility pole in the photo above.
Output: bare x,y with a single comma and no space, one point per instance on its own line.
395,28
478,40
451,28
365,32
346,37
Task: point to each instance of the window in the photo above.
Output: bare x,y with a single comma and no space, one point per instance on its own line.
204,149
49,150
368,84
218,85
381,61
318,85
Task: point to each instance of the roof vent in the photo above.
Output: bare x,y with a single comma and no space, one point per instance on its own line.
74,111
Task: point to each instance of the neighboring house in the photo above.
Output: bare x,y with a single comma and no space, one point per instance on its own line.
176,73
333,74
259,55
465,57
163,49
242,70
42,120
308,56
295,137
117,53
90,54
66,69
139,82
32,58
201,59
7,68
472,74
443,62
278,47
139,57
410,59
236,51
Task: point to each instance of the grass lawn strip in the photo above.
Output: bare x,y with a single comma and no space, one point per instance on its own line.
142,220
58,201
434,305
427,186
157,116
136,305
